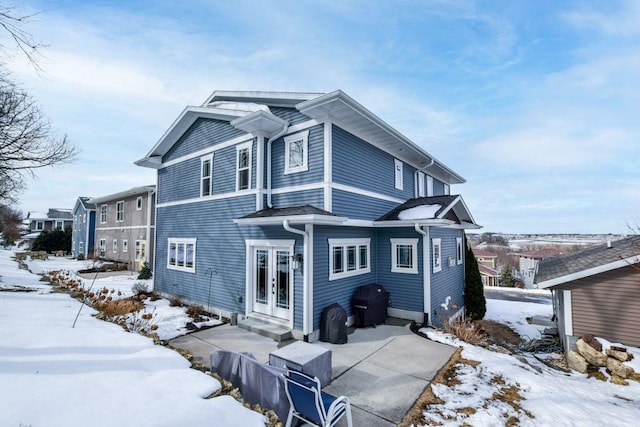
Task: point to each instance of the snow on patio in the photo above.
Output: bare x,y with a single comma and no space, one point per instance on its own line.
96,373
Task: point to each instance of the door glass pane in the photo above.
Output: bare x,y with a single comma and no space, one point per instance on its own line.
282,279
351,258
262,276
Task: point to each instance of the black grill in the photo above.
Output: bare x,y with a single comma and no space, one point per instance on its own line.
370,304
333,324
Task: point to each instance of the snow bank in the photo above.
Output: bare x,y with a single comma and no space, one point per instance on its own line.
420,212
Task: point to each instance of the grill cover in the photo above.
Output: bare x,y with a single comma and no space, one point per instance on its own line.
333,324
370,304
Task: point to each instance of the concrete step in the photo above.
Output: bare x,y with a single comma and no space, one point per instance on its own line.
269,330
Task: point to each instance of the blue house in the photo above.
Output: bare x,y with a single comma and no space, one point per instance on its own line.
275,205
84,227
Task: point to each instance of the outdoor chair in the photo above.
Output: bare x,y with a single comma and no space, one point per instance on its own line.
309,404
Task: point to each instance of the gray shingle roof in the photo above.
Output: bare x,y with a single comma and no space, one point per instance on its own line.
559,266
443,201
290,211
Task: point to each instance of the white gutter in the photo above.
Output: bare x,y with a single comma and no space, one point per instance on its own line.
416,176
426,264
306,276
285,127
150,243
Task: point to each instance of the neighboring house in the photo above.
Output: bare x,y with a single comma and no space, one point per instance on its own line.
487,264
528,264
125,226
276,205
596,291
36,223
84,227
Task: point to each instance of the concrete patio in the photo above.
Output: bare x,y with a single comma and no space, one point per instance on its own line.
382,370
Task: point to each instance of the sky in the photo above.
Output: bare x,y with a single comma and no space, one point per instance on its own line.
535,104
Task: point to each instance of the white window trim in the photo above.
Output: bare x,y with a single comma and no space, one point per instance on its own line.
304,136
421,189
125,246
177,241
459,250
117,212
398,174
394,255
39,225
55,225
239,147
203,159
446,189
139,203
436,266
106,210
429,186
344,243
102,247
115,246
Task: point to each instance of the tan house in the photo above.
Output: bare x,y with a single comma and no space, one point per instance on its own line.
596,291
487,264
125,226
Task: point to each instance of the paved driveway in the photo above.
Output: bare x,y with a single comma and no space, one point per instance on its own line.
381,370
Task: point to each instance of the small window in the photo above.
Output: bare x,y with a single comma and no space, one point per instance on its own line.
243,178
447,189
429,186
206,164
296,153
398,174
139,203
181,254
102,247
459,250
140,250
115,246
421,177
59,225
103,214
436,249
39,225
404,256
125,246
348,257
120,211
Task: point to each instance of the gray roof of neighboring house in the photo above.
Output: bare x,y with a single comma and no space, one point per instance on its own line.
59,214
122,194
443,201
293,210
86,202
560,266
487,270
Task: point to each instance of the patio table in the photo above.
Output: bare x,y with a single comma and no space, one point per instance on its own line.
304,357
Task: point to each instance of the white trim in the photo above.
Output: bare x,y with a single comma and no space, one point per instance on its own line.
328,166
302,126
459,250
398,174
55,224
345,244
270,242
413,243
203,159
102,247
420,185
181,241
362,192
288,140
308,228
429,186
204,199
260,172
209,150
293,219
120,203
446,189
568,312
128,227
240,147
125,246
589,272
106,213
436,266
416,316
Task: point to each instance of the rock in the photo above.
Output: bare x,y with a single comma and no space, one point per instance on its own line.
577,362
591,355
622,356
618,380
597,375
618,368
634,376
592,341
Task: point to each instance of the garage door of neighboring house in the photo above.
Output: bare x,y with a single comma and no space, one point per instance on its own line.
608,305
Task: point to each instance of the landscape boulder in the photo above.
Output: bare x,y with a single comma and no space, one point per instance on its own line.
591,355
618,368
619,353
577,362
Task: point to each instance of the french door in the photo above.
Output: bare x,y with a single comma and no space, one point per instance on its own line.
272,282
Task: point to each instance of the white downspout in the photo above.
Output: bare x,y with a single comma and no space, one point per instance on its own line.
427,272
285,128
305,275
416,177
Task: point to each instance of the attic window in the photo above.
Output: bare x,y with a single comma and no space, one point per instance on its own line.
243,177
296,153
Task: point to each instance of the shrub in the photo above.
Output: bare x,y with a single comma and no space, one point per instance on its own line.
80,257
145,272
175,301
140,288
466,330
118,307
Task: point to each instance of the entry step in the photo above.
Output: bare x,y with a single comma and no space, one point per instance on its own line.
269,330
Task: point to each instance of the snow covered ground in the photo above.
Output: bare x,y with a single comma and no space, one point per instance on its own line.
550,397
96,373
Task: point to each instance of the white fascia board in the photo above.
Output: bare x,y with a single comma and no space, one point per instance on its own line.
589,272
153,162
127,193
463,205
324,105
293,219
260,122
276,99
412,222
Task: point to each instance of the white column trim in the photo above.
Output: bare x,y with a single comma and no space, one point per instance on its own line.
568,313
328,171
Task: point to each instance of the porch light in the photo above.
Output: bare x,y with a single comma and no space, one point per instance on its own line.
296,261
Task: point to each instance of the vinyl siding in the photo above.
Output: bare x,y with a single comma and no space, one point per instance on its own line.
450,280
203,133
607,305
299,198
360,164
357,206
291,115
315,161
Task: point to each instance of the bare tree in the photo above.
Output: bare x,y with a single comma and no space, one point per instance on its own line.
12,22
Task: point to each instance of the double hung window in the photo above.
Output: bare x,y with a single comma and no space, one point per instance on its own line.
436,251
120,211
459,250
243,163
206,167
404,256
103,214
296,153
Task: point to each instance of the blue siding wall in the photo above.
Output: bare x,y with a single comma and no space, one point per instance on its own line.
327,292
203,133
315,161
299,198
360,164
438,187
449,281
406,290
357,206
291,115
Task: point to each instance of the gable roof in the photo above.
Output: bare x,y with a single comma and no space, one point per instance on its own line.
484,253
451,209
122,194
577,265
539,253
487,271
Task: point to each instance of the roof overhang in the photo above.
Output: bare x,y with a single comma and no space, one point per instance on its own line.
347,113
461,210
122,194
275,99
589,272
260,122
293,219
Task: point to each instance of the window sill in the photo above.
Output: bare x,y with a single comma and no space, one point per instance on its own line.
183,269
337,276
405,270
